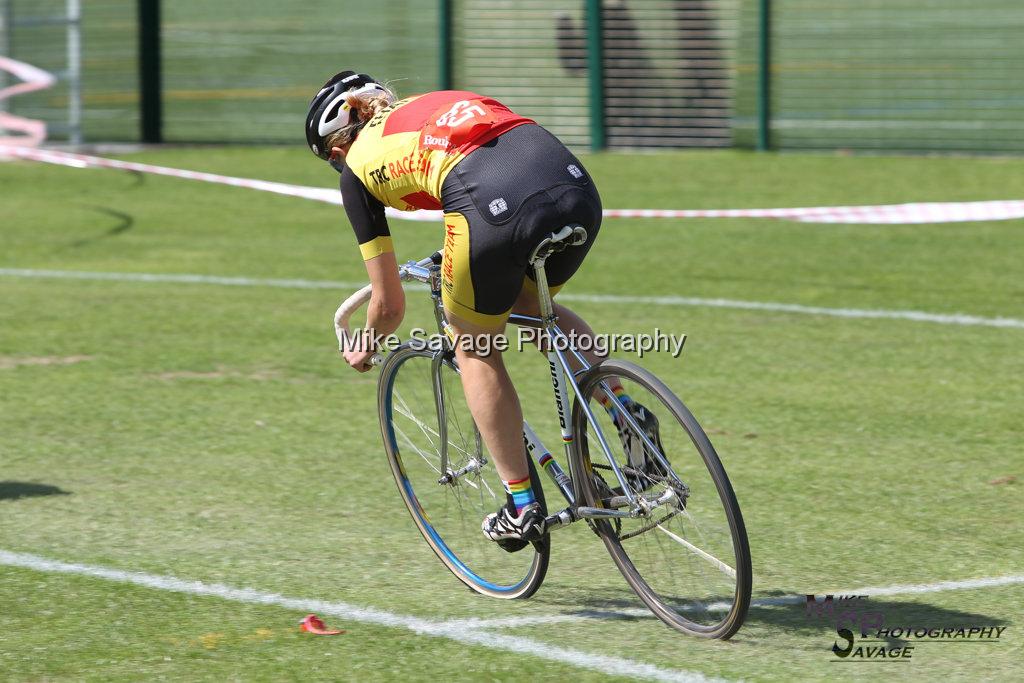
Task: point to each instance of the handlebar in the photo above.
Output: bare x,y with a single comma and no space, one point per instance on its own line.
413,270
341,318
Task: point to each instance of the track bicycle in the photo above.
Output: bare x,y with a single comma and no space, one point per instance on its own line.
671,523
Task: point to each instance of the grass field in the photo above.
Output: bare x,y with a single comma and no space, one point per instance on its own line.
210,433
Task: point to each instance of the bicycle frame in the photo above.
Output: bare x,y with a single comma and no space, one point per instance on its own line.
453,480
428,271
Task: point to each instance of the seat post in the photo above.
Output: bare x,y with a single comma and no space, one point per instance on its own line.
547,308
568,236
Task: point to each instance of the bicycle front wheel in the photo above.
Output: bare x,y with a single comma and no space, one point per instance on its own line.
687,555
446,478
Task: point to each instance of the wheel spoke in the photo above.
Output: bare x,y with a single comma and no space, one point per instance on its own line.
726,569
416,448
404,411
487,487
427,430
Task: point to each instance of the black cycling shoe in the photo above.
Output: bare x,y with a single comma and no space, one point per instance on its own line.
646,468
513,532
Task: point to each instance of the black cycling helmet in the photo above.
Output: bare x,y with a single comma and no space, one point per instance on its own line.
329,112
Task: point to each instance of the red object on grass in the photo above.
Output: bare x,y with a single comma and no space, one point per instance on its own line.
313,624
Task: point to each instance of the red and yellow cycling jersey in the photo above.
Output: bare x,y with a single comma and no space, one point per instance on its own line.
405,152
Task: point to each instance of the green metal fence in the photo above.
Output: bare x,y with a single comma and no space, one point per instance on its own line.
618,74
668,72
230,71
914,75
102,87
509,49
245,70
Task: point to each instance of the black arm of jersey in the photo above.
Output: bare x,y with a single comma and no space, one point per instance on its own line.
365,212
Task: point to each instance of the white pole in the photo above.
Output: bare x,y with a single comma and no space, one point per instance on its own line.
75,72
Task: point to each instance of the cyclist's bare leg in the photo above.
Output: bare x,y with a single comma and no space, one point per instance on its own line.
493,402
492,398
569,321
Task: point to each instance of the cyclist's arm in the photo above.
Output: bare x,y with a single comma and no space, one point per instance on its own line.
366,213
387,303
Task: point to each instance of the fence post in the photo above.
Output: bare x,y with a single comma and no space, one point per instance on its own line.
6,17
764,77
74,40
444,37
595,74
150,87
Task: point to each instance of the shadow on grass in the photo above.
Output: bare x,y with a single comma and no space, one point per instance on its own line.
125,222
795,618
13,490
790,618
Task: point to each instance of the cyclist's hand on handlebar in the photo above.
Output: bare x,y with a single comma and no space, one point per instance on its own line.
359,360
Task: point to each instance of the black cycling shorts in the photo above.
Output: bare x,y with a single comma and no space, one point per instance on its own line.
499,203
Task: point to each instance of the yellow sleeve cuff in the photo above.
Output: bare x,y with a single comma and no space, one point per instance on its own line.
376,247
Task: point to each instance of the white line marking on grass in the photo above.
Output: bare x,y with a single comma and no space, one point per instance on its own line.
940,586
582,615
175,278
463,634
913,316
635,613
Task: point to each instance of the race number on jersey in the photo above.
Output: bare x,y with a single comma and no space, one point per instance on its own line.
456,125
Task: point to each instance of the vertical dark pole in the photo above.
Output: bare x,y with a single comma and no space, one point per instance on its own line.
150,88
6,45
764,77
595,74
444,37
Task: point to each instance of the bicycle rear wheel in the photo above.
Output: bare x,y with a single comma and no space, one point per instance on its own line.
687,559
428,434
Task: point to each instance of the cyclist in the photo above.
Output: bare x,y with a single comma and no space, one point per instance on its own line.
504,184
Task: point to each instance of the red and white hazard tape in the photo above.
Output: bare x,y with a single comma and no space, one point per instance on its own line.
84,161
893,214
33,78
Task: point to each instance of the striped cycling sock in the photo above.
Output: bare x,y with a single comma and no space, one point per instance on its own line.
520,494
610,406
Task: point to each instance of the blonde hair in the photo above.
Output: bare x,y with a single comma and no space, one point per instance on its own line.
366,105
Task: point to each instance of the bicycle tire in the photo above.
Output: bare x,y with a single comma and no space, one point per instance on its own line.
680,613
449,516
